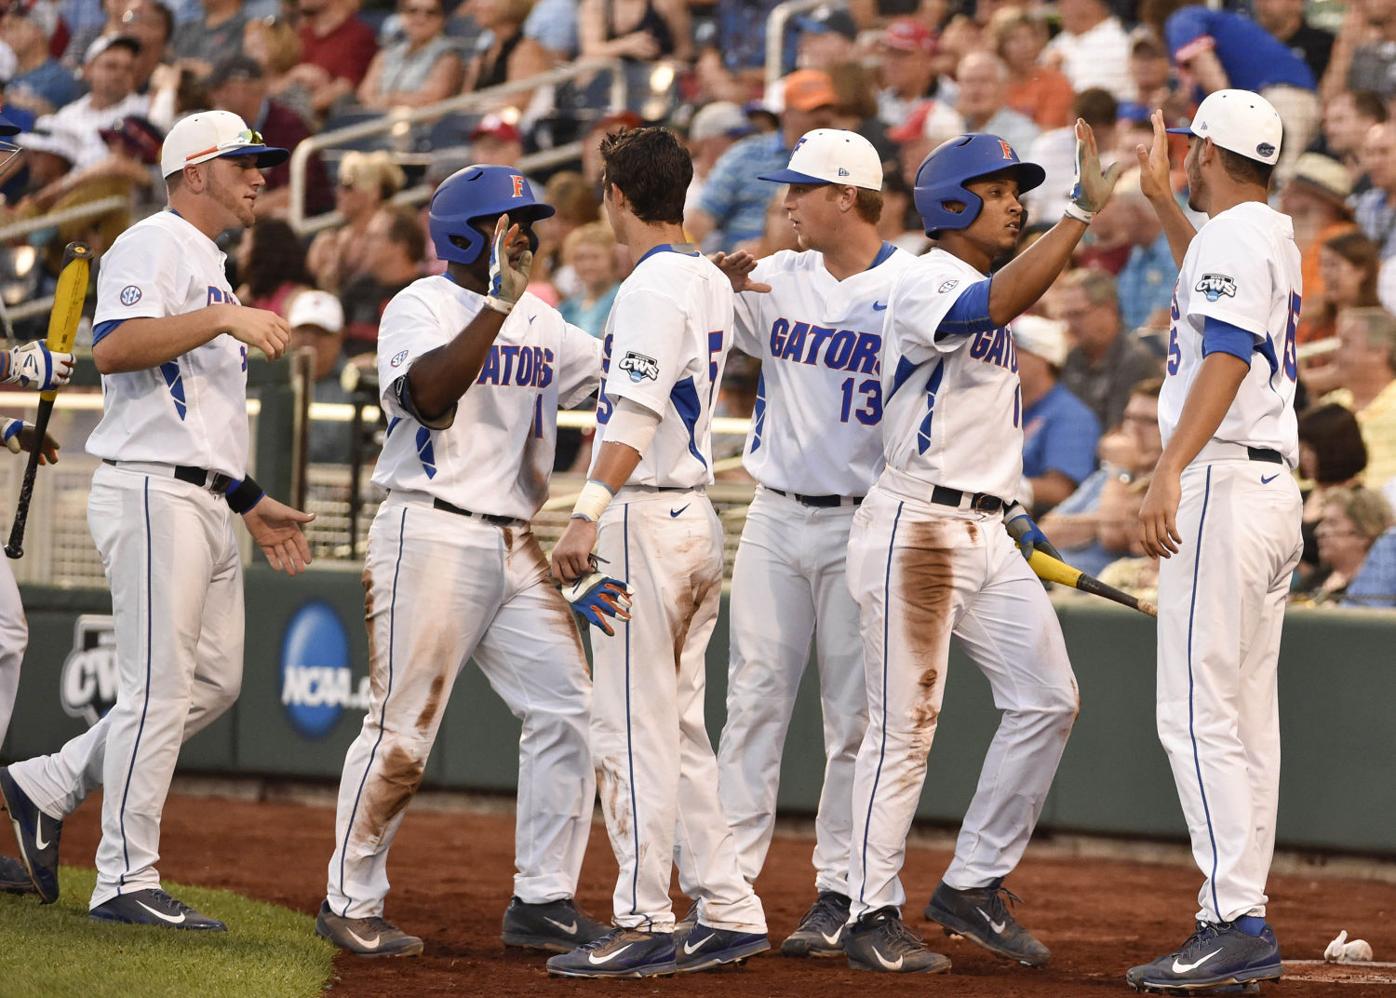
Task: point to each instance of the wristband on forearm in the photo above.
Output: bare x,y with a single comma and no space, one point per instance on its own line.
243,495
1074,210
592,500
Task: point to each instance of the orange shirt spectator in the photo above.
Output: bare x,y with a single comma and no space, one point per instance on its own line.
1034,90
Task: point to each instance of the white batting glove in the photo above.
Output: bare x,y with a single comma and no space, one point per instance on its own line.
508,281
9,433
35,366
1092,187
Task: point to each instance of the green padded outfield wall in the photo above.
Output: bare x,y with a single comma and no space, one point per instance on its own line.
305,680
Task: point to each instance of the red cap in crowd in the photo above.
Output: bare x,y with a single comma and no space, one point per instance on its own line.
907,34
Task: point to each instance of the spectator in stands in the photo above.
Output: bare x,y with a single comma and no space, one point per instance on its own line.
366,180
590,251
336,49
1034,90
1332,455
1220,49
1285,20
908,75
899,224
239,84
394,249
421,69
1347,119
150,23
93,28
983,80
1349,265
317,321
1134,571
108,69
133,148
575,204
1055,152
826,37
856,107
641,30
1144,284
711,133
217,35
1365,56
1092,48
1352,521
1105,362
1366,368
496,142
1155,82
553,25
50,150
1375,209
1316,200
733,206
40,84
503,52
1059,432
275,44
271,266
735,64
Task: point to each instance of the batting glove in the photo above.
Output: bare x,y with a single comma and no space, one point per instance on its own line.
35,366
1025,531
596,598
9,433
508,281
1092,187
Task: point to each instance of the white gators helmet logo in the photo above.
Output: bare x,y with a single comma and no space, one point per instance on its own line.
639,367
1214,286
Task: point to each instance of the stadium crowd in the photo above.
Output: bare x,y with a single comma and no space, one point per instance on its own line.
94,87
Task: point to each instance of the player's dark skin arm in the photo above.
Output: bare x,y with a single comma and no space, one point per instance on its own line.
1019,285
1210,397
441,377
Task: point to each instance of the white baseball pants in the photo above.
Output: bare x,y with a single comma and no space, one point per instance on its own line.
441,588
920,572
655,764
14,638
788,589
1221,610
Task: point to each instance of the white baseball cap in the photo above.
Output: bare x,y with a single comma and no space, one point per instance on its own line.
212,135
831,156
316,308
1044,337
1241,121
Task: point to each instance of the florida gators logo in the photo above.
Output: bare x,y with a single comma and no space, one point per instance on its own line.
518,184
1007,149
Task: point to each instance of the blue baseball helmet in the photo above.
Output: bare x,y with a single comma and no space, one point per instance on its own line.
473,193
943,174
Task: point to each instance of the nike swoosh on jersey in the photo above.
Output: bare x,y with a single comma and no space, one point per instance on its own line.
677,512
568,927
689,950
1183,968
161,915
609,956
889,964
1267,481
879,306
998,927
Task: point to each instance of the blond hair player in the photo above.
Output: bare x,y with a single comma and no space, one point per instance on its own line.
1223,512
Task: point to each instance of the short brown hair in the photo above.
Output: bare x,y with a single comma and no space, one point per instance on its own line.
1098,285
868,205
652,169
1246,170
405,229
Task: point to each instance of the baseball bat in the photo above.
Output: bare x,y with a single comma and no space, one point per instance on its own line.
1050,569
68,300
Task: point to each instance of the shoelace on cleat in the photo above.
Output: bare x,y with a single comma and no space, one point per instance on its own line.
600,941
899,938
825,908
1204,932
173,902
377,923
997,908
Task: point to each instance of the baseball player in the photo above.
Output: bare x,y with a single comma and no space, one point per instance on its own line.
171,341
1223,513
815,448
665,346
928,556
473,370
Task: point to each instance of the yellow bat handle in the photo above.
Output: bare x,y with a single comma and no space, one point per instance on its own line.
1049,569
68,300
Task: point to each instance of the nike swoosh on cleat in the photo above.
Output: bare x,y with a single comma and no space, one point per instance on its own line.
1183,968
832,940
1267,481
592,957
161,915
889,964
998,927
568,927
689,950
365,943
39,842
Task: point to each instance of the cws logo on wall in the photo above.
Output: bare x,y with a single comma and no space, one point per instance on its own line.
87,684
317,685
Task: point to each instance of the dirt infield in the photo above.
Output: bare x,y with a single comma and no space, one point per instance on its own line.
451,875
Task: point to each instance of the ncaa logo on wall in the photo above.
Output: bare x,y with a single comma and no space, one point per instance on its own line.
316,682
87,683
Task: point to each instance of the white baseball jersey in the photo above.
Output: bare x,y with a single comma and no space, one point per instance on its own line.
952,407
191,410
1242,268
665,347
497,455
816,426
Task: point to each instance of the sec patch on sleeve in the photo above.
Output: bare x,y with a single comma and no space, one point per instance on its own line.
130,295
639,367
1214,286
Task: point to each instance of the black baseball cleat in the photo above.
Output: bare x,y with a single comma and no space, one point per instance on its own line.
370,936
706,947
555,926
980,915
820,932
686,924
1216,959
154,907
619,953
14,878
879,941
37,835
